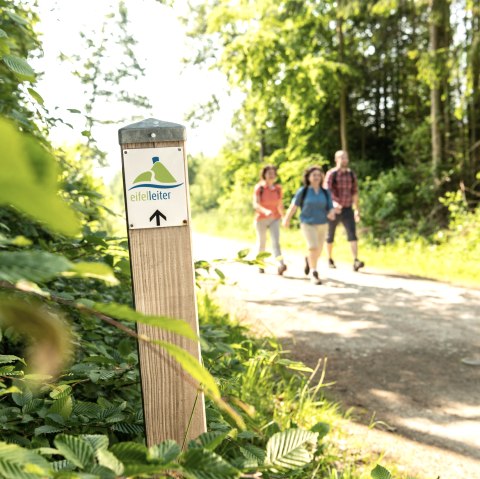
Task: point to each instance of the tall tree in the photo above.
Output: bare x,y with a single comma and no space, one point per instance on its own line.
473,90
342,85
439,28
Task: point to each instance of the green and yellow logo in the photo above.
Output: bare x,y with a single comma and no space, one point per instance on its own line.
157,177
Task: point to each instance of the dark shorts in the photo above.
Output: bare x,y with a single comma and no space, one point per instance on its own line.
346,217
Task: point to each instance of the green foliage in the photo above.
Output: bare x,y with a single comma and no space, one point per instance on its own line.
20,463
17,41
28,181
294,61
206,183
394,203
379,472
74,424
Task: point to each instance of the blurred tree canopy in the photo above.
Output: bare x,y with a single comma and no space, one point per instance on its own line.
395,82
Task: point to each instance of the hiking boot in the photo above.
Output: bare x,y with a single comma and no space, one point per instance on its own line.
261,270
315,279
331,263
357,264
307,267
282,268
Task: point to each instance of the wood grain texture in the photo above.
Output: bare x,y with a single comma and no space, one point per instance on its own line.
163,284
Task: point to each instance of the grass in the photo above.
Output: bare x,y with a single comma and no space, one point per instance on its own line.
448,262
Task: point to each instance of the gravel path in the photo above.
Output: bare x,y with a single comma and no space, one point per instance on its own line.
395,346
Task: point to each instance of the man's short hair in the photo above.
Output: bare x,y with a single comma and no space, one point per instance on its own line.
338,153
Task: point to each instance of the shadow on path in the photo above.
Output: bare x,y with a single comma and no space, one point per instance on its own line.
394,352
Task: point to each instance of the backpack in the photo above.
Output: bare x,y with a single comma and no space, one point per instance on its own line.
334,178
304,192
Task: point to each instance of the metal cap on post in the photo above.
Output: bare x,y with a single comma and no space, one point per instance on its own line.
151,131
157,207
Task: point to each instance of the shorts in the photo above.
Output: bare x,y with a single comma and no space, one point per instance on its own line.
314,234
347,218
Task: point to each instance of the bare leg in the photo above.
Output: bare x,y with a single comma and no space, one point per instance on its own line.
354,248
330,250
313,255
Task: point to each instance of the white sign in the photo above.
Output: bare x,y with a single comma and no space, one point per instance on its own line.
155,187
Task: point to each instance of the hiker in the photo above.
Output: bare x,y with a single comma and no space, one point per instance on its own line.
316,207
342,183
268,205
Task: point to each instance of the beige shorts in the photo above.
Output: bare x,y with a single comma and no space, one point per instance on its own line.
314,234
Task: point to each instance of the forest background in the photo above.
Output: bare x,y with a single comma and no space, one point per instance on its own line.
393,82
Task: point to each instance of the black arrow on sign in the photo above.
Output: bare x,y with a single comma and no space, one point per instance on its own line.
157,215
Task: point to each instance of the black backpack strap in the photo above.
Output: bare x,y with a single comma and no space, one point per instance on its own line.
260,193
303,195
334,177
325,192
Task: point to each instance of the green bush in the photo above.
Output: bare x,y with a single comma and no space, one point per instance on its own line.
394,204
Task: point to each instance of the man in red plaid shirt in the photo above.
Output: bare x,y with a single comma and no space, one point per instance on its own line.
343,185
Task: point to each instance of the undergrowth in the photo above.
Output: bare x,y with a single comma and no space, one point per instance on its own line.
89,424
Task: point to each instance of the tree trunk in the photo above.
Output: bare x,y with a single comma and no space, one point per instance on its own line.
343,88
439,33
435,95
474,100
263,146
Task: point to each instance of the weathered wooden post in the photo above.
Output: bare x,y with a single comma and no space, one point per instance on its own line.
158,222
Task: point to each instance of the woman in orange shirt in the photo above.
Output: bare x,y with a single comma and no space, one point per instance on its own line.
268,205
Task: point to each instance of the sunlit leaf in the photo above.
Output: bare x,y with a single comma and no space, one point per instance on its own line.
28,181
290,449
9,358
124,312
19,66
36,96
191,365
93,270
14,461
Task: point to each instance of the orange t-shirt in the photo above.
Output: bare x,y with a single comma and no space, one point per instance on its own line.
270,198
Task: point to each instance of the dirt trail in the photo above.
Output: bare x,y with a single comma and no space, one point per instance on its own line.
394,346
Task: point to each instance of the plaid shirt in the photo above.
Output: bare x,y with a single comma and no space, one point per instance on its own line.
344,188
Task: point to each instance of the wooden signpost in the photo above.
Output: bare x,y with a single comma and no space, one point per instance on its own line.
158,222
